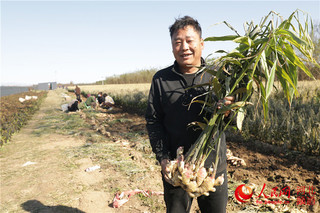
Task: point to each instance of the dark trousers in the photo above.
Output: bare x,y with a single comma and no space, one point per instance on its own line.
178,201
78,97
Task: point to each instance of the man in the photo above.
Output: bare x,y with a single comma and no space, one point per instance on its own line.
78,93
168,115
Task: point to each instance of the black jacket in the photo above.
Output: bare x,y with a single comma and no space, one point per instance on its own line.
73,106
101,99
168,115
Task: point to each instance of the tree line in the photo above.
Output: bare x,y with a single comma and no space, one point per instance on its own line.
145,76
140,76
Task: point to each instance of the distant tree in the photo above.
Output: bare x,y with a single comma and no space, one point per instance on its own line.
140,76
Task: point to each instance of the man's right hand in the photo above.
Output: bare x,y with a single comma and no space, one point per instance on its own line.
226,101
165,169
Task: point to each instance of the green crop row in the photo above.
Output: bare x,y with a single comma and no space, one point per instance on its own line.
296,127
14,114
135,102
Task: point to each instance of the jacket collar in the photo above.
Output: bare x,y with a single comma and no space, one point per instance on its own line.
176,68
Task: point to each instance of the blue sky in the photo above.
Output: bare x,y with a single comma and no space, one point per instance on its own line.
87,41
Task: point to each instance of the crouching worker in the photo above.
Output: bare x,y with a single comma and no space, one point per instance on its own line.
91,102
100,98
73,106
108,102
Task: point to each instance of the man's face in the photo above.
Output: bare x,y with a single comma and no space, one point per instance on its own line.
187,49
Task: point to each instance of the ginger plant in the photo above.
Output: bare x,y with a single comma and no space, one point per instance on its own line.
273,49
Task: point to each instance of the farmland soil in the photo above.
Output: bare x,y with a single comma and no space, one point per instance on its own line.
43,167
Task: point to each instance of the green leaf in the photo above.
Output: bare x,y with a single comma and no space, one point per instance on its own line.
240,118
289,53
242,48
201,102
259,41
244,40
263,63
283,75
216,87
230,60
258,57
270,80
235,55
239,91
291,37
239,104
264,102
227,85
235,106
221,38
196,123
221,51
250,86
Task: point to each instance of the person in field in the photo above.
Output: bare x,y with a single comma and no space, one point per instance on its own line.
168,116
73,106
77,91
100,98
91,102
108,102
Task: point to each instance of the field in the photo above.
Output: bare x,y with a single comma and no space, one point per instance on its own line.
14,114
62,145
117,89
296,127
114,89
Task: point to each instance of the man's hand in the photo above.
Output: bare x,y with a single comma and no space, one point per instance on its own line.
226,101
165,169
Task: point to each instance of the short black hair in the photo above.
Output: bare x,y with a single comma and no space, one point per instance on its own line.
181,23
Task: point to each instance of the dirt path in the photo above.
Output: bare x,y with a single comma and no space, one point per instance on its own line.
59,147
55,179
